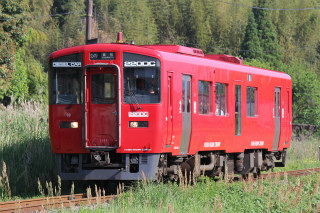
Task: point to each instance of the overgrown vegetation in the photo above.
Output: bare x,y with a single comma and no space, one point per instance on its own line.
25,151
302,154
270,195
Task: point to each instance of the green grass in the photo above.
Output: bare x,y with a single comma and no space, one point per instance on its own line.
302,154
273,195
25,149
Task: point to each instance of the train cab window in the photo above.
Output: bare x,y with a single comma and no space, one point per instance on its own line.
251,101
204,97
65,86
221,99
141,79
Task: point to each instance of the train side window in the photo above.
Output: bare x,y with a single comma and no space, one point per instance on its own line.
251,102
204,97
221,99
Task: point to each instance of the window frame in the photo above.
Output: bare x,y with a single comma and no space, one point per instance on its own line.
55,84
95,99
255,103
225,109
133,58
208,104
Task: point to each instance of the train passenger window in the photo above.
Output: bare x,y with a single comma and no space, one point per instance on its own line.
103,88
65,86
221,99
251,101
204,97
141,79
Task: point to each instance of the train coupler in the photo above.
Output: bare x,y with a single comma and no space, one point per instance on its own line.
101,157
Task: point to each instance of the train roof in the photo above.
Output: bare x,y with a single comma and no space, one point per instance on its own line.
176,53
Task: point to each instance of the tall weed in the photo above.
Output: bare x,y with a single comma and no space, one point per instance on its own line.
25,148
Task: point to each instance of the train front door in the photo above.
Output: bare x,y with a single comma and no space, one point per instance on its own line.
101,105
186,114
277,118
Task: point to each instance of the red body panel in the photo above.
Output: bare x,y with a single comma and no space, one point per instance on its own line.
66,140
163,135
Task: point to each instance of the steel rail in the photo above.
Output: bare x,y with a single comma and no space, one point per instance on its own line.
46,203
295,173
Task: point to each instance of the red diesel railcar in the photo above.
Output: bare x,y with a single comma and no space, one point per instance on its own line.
119,110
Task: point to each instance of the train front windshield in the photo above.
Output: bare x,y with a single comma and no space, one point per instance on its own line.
66,86
65,80
141,79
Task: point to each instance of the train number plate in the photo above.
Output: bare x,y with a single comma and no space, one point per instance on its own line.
138,114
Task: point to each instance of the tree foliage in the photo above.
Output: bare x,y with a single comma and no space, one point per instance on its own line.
12,30
285,40
305,93
261,39
251,47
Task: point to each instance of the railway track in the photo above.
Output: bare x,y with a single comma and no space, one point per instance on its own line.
43,204
294,173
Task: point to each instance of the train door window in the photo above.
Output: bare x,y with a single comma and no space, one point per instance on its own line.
288,100
204,97
188,95
183,96
221,99
103,88
277,104
251,101
238,109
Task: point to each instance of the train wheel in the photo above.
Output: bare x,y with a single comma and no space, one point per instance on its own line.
245,176
256,173
159,175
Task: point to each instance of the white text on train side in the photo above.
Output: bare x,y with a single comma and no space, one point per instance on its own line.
138,114
139,63
66,64
257,143
212,144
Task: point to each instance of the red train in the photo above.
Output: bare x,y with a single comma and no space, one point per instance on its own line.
119,110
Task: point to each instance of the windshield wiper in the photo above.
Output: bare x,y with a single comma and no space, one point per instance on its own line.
70,104
132,96
68,107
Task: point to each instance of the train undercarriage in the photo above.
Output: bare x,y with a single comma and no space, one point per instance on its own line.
215,163
101,165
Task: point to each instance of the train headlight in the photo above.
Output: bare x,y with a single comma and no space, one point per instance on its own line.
74,125
140,124
133,124
69,124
